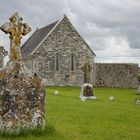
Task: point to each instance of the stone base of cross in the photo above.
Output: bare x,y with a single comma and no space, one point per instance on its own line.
22,100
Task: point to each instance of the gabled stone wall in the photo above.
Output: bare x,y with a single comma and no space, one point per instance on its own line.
63,42
117,75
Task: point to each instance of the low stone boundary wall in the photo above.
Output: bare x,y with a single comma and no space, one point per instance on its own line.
117,75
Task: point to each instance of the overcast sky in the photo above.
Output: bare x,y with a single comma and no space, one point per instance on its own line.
110,27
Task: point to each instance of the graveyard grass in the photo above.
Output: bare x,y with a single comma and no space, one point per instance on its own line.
69,118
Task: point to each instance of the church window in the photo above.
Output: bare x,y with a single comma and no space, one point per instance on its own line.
56,62
72,61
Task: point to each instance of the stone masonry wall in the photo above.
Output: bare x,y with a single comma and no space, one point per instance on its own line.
62,43
116,75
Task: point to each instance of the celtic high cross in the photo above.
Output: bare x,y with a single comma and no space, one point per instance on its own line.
15,28
86,69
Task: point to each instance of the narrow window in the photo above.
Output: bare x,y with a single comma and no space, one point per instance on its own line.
72,61
56,62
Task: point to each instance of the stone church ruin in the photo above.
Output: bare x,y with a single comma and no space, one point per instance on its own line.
58,53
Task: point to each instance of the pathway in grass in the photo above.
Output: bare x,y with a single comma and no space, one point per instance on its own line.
69,118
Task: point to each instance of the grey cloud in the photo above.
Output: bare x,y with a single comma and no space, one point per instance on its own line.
95,20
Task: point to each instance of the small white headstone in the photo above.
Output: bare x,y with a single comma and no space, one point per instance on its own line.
56,92
137,101
111,98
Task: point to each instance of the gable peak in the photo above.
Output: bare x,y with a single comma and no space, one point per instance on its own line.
65,17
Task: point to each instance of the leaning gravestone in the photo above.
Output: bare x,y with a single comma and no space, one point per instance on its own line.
22,94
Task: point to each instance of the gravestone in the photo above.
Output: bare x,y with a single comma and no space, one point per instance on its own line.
22,94
88,90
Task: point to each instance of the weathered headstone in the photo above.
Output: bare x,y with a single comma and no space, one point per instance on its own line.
22,94
87,92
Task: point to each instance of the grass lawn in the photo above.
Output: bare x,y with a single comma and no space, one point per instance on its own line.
69,118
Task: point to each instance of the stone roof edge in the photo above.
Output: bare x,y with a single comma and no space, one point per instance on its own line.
29,38
46,36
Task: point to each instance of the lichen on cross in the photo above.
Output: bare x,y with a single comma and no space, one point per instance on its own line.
86,69
15,28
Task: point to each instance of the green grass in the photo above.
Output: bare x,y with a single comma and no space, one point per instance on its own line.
69,118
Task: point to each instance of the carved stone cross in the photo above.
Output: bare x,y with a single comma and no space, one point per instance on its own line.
86,69
22,93
15,28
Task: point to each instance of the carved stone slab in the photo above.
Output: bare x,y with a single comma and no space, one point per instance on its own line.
22,99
